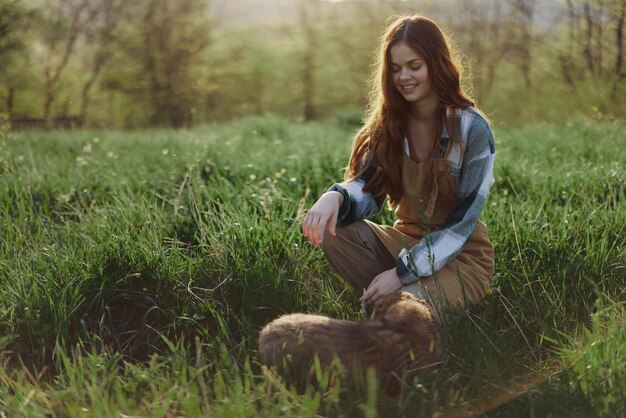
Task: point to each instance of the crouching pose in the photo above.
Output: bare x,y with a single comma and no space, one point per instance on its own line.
427,149
401,340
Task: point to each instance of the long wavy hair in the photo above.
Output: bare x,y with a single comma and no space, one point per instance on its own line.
380,140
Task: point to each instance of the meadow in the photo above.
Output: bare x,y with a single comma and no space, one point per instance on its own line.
137,269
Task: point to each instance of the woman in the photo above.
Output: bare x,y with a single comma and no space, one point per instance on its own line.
428,150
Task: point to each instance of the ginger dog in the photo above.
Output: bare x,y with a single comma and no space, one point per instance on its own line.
401,339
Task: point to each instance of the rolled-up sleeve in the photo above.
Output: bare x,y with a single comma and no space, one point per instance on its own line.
357,204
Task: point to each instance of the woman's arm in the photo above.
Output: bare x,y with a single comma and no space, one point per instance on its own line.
343,204
356,203
323,212
437,248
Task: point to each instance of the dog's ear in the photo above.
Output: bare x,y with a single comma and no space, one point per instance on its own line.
406,295
381,307
407,309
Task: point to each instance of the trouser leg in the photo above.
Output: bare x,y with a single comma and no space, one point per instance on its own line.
357,254
465,279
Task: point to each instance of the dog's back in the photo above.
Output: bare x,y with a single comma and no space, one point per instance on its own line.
401,338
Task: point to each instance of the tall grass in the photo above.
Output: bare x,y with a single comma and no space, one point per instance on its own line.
137,268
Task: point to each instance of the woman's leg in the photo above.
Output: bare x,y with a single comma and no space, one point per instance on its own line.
357,254
465,279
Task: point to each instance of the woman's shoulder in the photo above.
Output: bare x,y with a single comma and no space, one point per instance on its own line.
475,129
473,121
475,132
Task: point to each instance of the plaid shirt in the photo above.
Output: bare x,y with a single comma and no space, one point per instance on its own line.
471,165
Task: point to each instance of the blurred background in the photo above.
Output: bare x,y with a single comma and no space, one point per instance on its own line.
175,64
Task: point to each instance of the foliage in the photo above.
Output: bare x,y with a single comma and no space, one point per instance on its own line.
598,359
14,16
174,64
159,43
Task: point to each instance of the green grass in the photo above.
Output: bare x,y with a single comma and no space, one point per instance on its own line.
136,269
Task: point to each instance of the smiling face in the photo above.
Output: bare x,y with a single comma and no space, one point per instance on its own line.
409,74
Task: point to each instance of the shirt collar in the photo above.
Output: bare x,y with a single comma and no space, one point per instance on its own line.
453,116
444,133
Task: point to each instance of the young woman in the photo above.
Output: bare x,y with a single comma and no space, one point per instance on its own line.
430,152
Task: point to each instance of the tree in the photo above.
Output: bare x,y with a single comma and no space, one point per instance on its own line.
524,12
60,26
308,15
161,44
105,16
619,11
480,27
589,22
14,19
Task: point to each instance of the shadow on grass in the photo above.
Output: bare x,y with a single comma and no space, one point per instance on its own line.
555,397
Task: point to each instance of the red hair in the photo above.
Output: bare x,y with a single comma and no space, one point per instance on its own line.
381,138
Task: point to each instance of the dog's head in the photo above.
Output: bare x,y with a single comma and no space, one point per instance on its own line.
396,306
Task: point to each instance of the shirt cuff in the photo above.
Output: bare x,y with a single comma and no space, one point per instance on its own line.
404,270
345,207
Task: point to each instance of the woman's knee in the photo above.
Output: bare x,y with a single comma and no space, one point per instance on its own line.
342,235
329,243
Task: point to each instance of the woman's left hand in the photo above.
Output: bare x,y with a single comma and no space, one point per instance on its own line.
383,284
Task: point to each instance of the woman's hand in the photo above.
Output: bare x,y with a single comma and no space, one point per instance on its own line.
385,283
324,211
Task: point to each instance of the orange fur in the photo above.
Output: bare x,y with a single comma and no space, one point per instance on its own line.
401,339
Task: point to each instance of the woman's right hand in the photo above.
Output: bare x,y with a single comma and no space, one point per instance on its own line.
324,211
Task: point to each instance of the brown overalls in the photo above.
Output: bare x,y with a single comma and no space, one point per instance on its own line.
362,250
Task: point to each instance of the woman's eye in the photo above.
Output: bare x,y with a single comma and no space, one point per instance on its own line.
416,68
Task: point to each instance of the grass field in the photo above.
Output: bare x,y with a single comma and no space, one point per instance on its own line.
137,268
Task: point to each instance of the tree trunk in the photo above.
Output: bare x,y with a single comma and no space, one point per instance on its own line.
10,100
565,61
150,64
109,16
47,102
619,41
526,10
495,49
308,60
84,104
588,54
52,76
599,49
